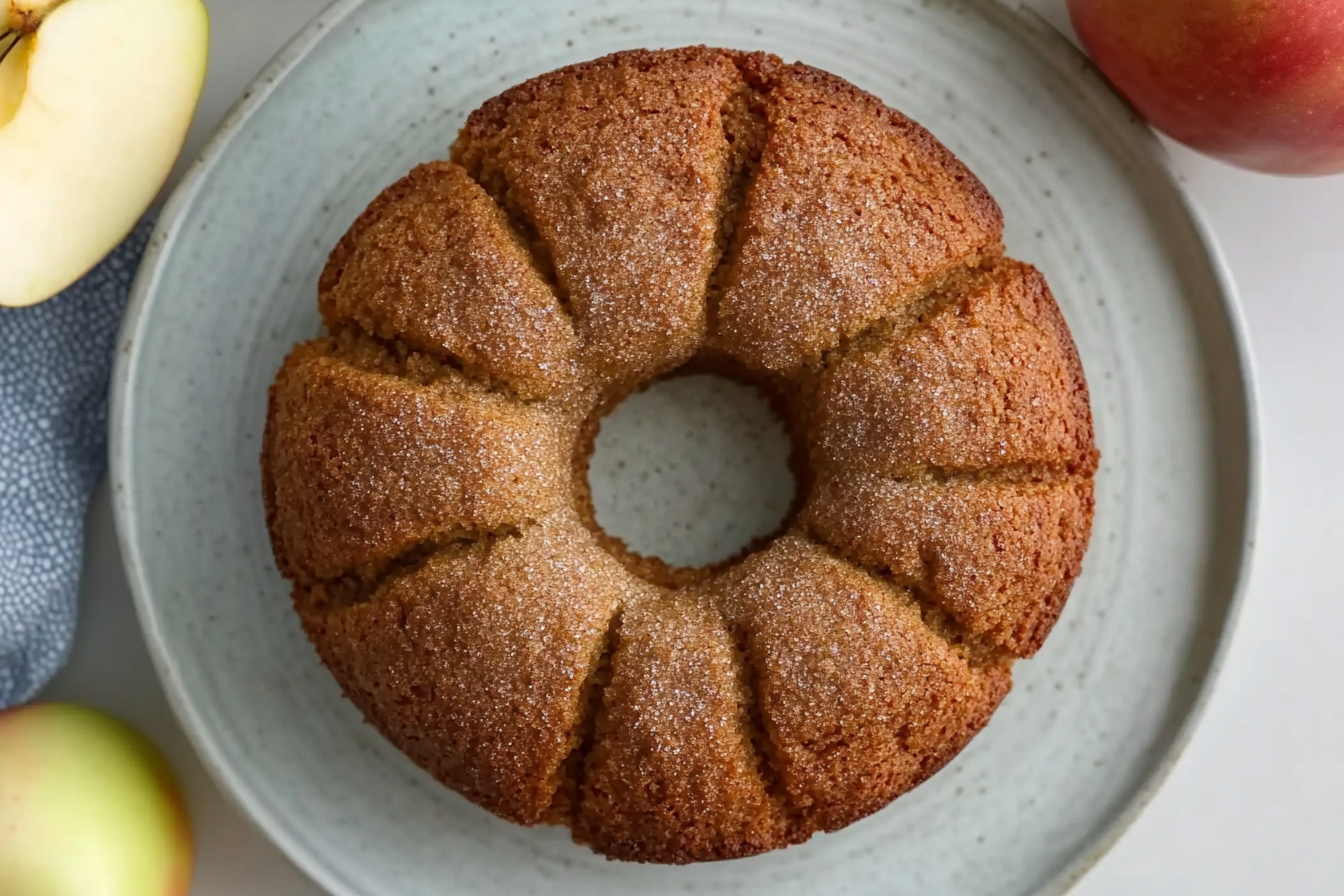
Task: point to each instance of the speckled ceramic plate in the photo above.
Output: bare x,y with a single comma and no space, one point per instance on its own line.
370,89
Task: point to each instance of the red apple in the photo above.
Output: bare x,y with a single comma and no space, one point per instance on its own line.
87,806
1259,83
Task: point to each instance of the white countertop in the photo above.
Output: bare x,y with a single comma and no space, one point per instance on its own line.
1254,806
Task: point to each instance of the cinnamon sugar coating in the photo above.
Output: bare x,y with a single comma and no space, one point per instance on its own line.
854,212
1001,557
617,166
364,466
672,772
433,262
990,379
474,663
423,465
858,699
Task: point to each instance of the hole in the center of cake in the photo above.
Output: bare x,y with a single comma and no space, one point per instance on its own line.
691,470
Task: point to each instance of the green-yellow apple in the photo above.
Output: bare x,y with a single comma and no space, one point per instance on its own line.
95,100
88,807
1259,83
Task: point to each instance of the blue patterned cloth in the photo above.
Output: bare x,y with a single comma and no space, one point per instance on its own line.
54,364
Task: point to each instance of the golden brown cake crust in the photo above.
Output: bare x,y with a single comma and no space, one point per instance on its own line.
474,663
423,465
673,772
854,211
1001,557
617,166
434,263
365,466
959,458
857,700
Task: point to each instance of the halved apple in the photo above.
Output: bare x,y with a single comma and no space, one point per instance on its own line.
95,100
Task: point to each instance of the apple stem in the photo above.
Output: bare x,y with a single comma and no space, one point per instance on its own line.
5,51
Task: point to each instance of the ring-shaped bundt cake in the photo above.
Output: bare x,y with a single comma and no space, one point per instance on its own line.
424,464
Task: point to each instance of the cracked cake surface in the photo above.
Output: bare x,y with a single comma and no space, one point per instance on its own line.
597,227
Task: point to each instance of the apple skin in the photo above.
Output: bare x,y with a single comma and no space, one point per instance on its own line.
1258,83
87,806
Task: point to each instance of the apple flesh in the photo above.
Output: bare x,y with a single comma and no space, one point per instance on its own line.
95,100
87,805
1259,83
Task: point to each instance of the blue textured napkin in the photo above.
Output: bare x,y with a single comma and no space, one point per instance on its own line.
54,364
